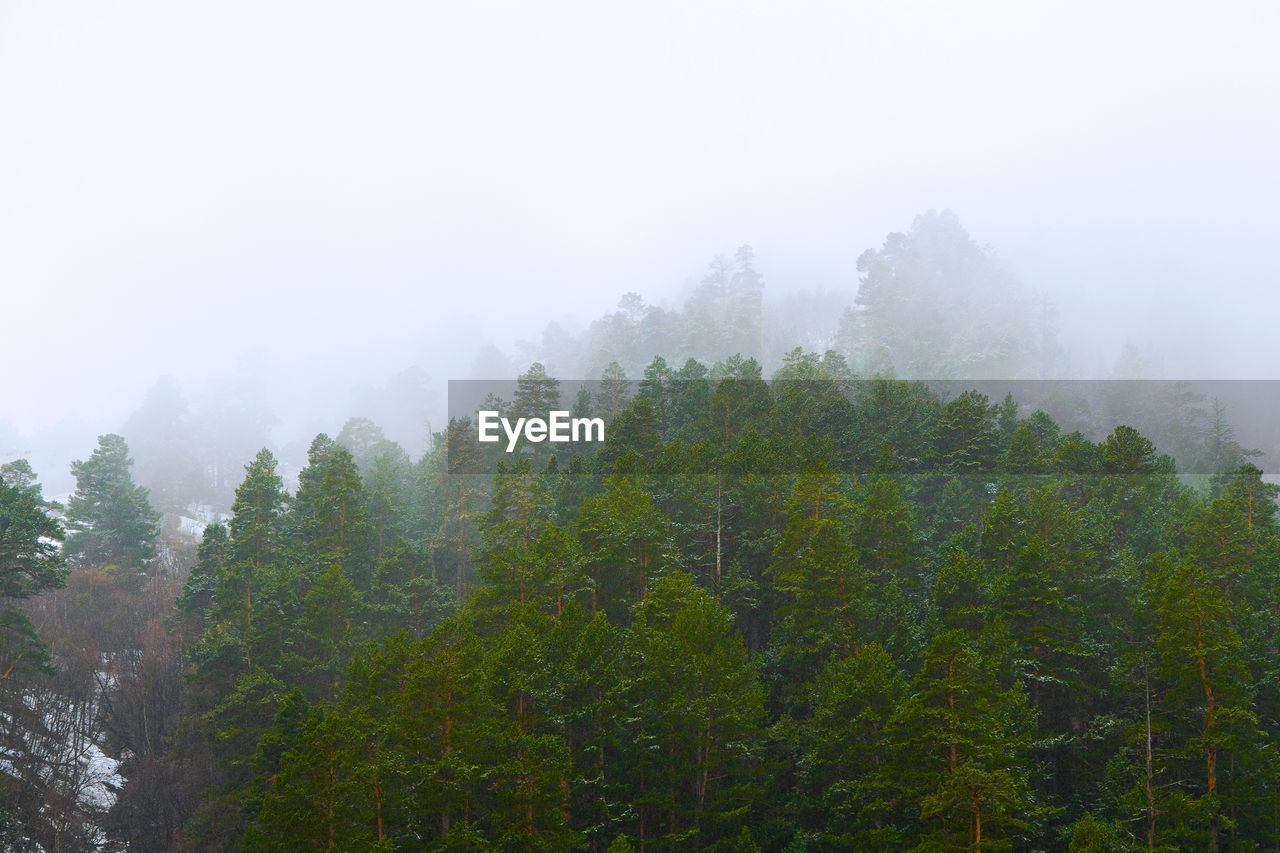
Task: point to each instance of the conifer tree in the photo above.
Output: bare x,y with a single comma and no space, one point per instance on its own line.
823,584
257,513
455,537
846,795
625,546
695,710
249,570
536,393
1210,728
111,520
30,563
327,514
208,572
959,745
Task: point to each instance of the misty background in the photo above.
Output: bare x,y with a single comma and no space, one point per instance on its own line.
270,218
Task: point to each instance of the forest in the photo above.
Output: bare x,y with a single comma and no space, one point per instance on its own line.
824,608
918,367
763,615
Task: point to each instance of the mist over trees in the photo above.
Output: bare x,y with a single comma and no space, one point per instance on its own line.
836,610
934,503
930,303
933,304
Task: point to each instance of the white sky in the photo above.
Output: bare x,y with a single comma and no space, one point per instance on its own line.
180,182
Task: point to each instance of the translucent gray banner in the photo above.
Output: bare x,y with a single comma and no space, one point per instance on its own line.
1205,426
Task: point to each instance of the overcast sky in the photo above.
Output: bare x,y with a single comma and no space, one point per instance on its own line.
181,182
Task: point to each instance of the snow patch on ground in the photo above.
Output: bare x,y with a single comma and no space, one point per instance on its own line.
191,527
68,755
104,779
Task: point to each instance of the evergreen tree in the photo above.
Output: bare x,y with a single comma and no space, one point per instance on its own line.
327,514
249,570
614,391
695,710
824,607
455,536
959,745
932,303
1210,729
843,787
536,393
30,563
211,562
625,545
111,520
20,475
806,616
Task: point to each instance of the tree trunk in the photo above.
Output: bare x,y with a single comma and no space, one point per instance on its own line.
1151,796
977,825
1210,752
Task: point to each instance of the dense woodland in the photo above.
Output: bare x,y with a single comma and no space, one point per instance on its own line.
804,614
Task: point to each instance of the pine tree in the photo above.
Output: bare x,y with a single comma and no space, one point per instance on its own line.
112,521
614,391
455,538
444,723
1207,709
582,653
207,573
537,393
933,303
883,533
327,791
532,774
625,545
509,532
959,747
694,710
256,537
325,631
842,787
30,563
20,475
257,513
823,584
327,514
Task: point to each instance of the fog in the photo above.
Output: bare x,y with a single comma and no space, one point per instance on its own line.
325,208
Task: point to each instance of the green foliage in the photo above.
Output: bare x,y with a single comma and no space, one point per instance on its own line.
959,744
111,520
844,784
211,561
29,558
30,563
806,616
1090,835
695,711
